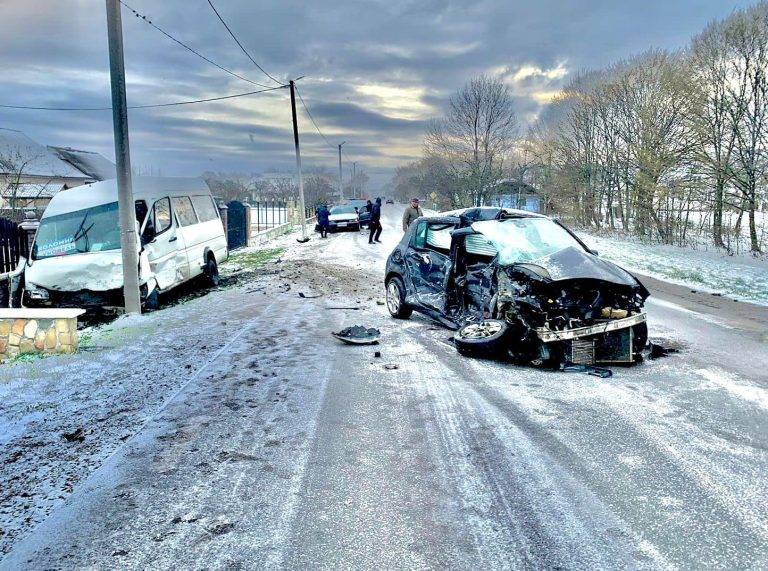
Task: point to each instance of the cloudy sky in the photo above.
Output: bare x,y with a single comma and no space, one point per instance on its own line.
376,71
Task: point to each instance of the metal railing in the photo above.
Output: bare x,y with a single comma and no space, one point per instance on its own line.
268,214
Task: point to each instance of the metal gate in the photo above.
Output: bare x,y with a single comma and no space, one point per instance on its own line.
237,224
13,245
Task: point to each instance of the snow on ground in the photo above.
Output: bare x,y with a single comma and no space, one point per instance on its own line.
740,277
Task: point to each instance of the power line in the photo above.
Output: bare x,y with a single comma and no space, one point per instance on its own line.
313,120
231,33
185,46
155,105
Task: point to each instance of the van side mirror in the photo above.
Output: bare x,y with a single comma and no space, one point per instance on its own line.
595,252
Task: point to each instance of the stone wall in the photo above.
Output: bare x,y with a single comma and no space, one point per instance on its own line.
20,335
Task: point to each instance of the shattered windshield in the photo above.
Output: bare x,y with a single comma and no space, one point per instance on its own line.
93,229
525,239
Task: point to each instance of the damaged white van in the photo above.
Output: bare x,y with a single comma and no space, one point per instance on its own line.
76,258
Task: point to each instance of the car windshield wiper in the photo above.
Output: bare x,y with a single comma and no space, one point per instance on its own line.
82,232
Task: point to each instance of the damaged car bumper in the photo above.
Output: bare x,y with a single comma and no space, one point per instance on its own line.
548,336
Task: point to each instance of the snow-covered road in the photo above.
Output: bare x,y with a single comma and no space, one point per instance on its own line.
234,432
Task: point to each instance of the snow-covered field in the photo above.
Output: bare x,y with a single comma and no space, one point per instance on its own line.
740,277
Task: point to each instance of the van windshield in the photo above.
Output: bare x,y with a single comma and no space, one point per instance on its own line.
94,229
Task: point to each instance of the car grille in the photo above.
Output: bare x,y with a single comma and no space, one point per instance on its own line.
582,351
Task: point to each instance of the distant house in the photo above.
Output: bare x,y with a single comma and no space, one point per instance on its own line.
510,193
30,173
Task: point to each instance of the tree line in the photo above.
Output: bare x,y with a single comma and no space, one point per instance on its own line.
669,146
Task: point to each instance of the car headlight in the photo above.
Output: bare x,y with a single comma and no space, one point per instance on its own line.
36,292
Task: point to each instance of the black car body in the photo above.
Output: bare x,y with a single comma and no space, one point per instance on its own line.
525,273
363,214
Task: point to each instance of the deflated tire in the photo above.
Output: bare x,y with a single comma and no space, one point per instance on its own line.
485,339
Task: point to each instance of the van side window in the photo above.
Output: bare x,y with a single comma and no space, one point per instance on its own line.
184,211
204,207
162,213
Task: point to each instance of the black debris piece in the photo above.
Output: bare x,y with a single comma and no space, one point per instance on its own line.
656,351
308,296
358,335
601,372
377,354
76,436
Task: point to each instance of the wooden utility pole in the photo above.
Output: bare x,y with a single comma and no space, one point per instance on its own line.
341,182
128,236
302,208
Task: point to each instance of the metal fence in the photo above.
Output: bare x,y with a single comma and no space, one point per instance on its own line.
268,214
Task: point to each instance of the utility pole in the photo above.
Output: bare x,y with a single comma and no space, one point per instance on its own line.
341,182
302,208
354,179
126,208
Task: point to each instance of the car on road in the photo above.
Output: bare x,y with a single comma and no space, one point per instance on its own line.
517,285
343,217
363,214
76,258
390,201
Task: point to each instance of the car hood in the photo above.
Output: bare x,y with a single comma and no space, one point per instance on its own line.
574,263
96,271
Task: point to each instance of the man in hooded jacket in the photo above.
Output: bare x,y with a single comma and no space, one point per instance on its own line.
375,225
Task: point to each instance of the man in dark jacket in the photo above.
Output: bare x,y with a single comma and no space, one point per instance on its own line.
323,220
375,225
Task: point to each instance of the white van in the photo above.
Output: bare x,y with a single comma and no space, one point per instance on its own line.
76,258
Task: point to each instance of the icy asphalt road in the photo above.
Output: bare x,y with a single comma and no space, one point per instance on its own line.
234,432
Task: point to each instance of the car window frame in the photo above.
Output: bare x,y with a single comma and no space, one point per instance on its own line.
446,226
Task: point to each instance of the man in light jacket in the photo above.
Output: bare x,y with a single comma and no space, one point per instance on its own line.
411,213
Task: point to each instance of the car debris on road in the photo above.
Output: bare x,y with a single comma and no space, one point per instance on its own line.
358,335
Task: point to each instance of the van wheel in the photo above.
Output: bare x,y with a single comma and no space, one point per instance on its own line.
211,272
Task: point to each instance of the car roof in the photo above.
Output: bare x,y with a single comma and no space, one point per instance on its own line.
490,212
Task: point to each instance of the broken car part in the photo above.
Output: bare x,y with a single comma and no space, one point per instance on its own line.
358,335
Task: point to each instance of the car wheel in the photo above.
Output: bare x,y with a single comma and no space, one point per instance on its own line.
484,340
211,272
396,299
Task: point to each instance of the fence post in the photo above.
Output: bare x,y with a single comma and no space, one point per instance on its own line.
248,213
224,215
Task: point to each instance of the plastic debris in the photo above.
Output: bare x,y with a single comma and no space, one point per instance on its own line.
358,335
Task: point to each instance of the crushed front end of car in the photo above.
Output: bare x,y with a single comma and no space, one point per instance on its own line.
580,320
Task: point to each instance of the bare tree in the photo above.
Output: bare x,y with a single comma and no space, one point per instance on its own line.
475,136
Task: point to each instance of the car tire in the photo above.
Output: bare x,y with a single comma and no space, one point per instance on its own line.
396,299
483,340
211,272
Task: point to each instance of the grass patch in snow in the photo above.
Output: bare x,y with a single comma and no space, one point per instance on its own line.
254,259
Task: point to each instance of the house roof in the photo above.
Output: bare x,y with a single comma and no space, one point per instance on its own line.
17,151
31,191
92,164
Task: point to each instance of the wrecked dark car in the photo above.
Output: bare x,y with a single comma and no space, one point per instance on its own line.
517,285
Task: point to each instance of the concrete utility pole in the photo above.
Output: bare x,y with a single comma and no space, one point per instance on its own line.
302,208
354,179
341,182
126,208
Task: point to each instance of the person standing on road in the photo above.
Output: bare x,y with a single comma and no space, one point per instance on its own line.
411,213
323,220
375,224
